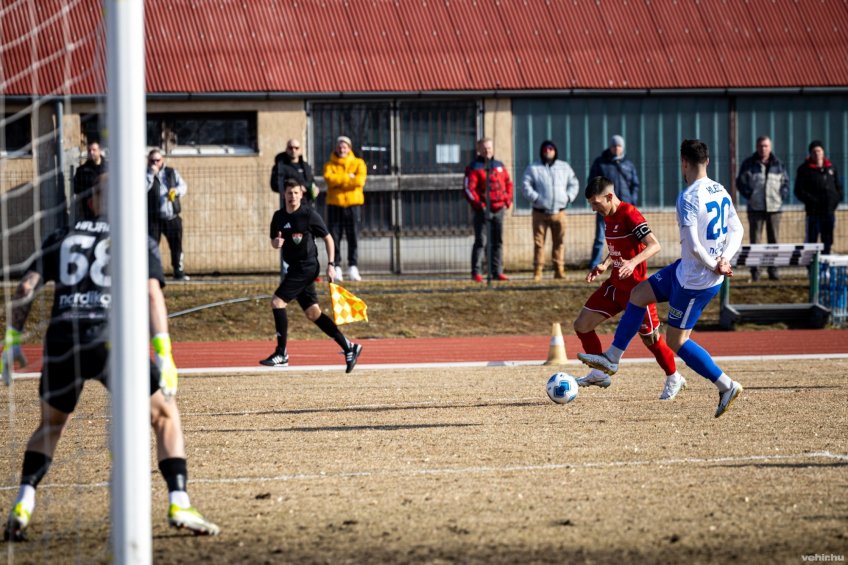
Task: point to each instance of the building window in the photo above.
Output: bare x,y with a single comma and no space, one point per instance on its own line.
437,137
17,135
366,124
416,153
208,133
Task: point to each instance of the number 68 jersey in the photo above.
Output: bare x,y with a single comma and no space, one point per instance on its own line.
77,259
706,206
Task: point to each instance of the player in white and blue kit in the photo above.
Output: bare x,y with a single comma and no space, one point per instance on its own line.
710,235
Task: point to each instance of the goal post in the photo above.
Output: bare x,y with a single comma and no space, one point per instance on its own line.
129,325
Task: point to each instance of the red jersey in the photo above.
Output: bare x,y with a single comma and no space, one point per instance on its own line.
625,231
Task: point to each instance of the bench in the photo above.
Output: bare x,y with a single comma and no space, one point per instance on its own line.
812,313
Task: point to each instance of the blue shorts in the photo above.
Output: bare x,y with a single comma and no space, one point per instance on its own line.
684,305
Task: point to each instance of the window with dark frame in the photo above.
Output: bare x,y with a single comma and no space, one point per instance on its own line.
437,137
367,124
233,132
17,134
436,141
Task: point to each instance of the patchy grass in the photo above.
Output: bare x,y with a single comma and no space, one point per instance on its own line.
405,308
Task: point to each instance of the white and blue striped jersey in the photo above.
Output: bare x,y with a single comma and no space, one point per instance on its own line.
706,206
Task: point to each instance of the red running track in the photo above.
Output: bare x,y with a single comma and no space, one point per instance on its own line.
197,355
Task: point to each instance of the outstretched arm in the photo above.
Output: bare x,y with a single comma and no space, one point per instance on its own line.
21,305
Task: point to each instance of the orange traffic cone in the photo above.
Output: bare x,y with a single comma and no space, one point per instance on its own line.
556,352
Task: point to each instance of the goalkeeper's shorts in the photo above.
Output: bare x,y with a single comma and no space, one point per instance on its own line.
67,365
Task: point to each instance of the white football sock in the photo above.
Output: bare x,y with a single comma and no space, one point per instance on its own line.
724,383
26,494
180,498
614,354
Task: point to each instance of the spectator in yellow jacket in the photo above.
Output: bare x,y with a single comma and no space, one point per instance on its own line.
345,176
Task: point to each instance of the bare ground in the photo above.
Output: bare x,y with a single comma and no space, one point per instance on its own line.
472,466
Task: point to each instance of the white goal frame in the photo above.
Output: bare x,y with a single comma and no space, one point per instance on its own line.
129,320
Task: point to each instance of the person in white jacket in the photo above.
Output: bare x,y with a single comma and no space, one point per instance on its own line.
551,186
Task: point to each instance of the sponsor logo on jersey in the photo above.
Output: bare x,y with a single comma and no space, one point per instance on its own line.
287,226
674,313
90,299
92,227
297,238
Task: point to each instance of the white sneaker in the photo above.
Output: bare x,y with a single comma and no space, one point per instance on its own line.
726,398
353,274
671,388
339,277
595,378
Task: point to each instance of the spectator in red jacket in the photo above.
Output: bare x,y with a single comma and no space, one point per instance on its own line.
488,189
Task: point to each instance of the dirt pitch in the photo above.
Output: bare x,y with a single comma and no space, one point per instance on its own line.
471,465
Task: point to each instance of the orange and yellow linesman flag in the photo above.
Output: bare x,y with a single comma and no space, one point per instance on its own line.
347,308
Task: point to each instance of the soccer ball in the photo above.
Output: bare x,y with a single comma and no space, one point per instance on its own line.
562,388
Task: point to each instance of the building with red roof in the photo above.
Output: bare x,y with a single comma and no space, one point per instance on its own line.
414,83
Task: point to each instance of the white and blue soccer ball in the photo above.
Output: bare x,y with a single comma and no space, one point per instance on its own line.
562,388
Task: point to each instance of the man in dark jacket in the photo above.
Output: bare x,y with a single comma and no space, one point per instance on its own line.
488,189
817,186
290,164
613,165
86,176
764,182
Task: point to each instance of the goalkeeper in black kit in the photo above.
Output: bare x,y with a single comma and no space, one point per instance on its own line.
76,349
294,228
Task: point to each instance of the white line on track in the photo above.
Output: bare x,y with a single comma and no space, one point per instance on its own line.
486,470
215,371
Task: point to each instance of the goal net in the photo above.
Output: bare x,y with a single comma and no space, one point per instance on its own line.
58,85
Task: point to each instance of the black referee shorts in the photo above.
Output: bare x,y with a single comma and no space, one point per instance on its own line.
299,284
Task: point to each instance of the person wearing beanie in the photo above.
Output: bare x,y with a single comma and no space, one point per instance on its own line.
613,165
817,186
345,175
764,182
550,186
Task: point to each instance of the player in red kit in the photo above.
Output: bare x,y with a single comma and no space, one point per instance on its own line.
630,244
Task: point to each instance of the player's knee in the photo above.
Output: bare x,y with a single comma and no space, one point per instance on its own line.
581,327
313,312
651,338
161,411
277,302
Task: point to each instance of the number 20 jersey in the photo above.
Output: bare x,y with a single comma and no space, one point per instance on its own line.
77,259
706,205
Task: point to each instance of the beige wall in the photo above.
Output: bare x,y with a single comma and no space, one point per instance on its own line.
226,215
225,226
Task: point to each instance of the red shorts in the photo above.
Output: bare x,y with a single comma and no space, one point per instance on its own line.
610,300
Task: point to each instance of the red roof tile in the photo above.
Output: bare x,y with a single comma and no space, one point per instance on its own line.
332,46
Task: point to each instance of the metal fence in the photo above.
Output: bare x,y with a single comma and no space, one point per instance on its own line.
412,225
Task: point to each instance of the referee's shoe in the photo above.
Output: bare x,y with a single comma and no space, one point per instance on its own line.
351,355
279,358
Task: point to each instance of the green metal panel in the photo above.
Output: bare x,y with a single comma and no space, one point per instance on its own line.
652,126
792,122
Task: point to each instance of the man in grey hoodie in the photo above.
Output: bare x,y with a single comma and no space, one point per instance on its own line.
550,185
